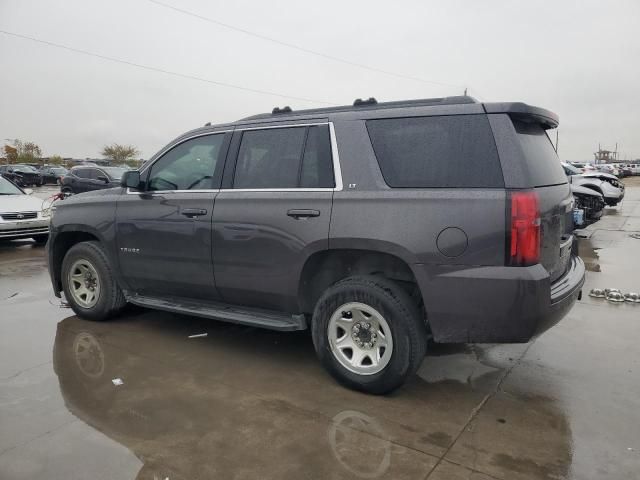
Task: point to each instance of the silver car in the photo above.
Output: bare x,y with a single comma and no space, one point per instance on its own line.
21,215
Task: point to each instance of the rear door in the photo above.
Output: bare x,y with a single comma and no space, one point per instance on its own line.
80,180
546,176
273,214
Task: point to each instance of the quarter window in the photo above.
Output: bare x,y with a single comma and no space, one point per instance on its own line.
191,165
440,151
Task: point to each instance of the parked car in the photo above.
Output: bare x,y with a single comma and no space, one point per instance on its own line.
21,215
378,226
590,202
53,175
608,168
605,184
635,168
85,179
22,175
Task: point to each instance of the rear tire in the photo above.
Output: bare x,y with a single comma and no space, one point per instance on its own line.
89,283
356,357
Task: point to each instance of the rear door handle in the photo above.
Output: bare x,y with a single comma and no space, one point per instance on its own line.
193,212
298,214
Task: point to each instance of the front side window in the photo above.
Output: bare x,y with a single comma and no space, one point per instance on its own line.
285,158
190,165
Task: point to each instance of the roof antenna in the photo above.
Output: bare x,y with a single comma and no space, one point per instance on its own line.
465,91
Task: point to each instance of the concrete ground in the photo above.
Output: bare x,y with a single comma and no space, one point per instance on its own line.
244,403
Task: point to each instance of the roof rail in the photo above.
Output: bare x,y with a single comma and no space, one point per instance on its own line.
359,102
286,109
208,124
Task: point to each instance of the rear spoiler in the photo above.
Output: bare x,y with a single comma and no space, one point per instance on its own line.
525,113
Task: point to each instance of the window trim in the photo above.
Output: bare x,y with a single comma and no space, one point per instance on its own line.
337,171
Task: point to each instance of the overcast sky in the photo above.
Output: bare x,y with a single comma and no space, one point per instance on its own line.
580,59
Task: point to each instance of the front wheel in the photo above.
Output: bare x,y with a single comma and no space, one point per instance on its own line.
369,334
89,283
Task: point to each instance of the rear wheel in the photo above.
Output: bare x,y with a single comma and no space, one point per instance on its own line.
369,334
89,284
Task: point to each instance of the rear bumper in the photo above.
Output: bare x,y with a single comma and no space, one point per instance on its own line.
496,304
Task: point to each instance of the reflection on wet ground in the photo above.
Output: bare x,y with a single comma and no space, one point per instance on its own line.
246,403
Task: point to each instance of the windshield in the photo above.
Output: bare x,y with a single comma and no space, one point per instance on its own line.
570,169
8,188
24,168
114,172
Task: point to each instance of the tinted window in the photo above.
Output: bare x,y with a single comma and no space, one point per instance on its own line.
317,163
448,151
82,173
269,158
542,161
189,166
115,173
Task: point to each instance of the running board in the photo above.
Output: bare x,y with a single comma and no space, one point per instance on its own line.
254,317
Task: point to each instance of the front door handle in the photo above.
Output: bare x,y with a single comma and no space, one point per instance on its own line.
298,214
193,212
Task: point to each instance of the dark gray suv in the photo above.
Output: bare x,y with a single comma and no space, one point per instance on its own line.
378,226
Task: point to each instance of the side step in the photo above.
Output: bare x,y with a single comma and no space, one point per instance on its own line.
254,317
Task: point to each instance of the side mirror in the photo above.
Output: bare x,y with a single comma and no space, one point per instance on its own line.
103,179
131,179
28,191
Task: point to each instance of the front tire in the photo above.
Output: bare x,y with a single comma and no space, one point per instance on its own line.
369,334
89,283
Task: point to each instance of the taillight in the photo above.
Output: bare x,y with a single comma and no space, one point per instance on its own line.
524,246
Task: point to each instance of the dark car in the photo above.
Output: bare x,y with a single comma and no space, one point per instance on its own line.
53,175
85,179
22,175
378,226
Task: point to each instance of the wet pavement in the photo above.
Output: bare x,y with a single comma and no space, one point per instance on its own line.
244,403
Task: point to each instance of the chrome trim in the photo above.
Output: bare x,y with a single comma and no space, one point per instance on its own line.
282,126
163,192
337,171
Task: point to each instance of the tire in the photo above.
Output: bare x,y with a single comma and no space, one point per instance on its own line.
41,239
405,333
108,298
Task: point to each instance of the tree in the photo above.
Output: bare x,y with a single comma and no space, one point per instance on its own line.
120,153
11,154
56,160
23,152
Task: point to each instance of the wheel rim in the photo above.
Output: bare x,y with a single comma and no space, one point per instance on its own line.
89,355
84,284
360,338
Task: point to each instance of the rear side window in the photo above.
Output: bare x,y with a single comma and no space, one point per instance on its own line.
431,152
542,161
82,173
285,158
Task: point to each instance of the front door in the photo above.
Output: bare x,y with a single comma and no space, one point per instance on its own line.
164,231
273,215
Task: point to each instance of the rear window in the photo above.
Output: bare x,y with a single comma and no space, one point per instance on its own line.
542,161
455,151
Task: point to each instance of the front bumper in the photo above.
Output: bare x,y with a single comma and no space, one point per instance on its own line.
24,228
496,304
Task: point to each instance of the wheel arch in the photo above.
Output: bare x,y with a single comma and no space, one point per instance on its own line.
62,242
326,267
